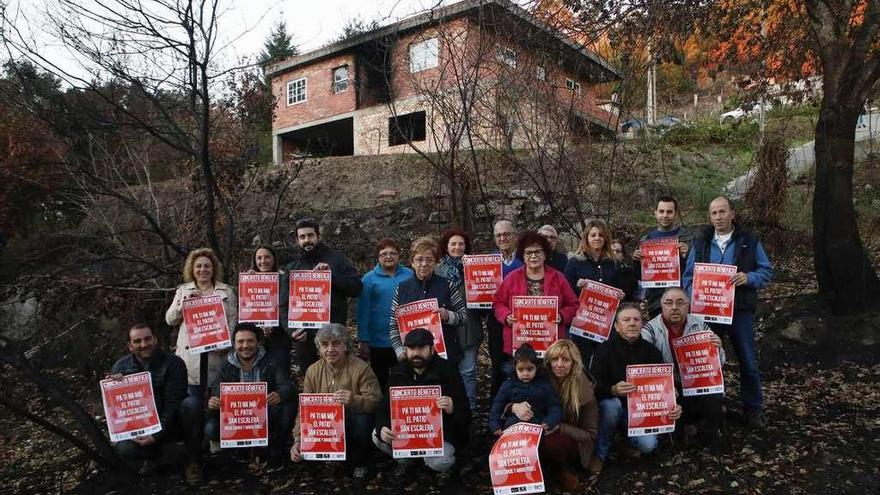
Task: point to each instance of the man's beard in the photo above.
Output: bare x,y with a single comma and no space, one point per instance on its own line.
417,362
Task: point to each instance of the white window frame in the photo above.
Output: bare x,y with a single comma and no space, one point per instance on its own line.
573,85
338,82
424,55
291,97
541,73
506,56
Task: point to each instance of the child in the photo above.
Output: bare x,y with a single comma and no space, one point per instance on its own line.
527,385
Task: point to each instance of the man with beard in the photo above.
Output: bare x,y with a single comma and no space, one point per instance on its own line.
345,283
247,363
422,366
180,416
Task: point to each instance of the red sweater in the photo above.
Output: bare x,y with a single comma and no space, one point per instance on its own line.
515,284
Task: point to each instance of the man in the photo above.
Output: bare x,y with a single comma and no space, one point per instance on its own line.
505,239
725,242
625,347
421,366
702,413
556,259
180,416
344,283
668,225
354,385
374,309
247,363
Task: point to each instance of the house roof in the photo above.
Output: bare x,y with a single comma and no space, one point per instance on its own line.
605,71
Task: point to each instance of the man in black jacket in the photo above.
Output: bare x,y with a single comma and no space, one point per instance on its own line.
179,415
422,366
345,283
625,347
247,363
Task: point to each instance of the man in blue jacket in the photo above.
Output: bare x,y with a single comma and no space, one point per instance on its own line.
374,309
726,243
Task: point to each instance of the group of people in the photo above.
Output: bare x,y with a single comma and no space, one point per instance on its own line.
577,392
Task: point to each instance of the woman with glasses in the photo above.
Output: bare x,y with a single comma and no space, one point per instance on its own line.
424,254
536,278
374,309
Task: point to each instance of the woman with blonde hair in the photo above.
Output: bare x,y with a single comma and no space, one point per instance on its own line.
593,260
572,444
202,275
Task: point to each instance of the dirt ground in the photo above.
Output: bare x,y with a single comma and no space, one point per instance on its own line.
821,437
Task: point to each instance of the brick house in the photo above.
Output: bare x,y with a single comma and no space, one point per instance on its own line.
480,73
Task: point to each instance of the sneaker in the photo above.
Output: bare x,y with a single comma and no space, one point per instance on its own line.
192,472
359,480
274,465
595,466
755,420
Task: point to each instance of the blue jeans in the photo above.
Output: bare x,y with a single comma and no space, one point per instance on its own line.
467,368
742,336
612,415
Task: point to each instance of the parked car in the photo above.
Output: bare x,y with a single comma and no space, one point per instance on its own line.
631,125
668,122
742,112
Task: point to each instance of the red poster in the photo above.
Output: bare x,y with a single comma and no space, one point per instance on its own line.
322,428
130,406
258,298
206,325
482,277
536,325
649,406
661,266
422,314
244,418
309,304
416,421
712,292
699,364
595,315
514,463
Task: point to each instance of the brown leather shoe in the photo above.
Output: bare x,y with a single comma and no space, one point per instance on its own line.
568,481
192,472
595,466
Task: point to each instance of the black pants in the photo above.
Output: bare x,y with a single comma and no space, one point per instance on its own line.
280,417
358,444
382,359
278,346
587,348
496,351
306,352
703,409
187,427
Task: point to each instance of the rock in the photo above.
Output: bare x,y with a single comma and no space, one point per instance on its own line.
796,331
518,194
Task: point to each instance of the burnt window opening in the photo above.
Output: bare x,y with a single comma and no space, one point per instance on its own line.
406,128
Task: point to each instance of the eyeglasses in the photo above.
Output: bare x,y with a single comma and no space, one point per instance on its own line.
536,253
676,304
423,261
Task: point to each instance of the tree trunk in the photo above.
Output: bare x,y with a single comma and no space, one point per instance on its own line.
847,281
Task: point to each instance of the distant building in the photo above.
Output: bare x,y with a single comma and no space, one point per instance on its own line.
484,73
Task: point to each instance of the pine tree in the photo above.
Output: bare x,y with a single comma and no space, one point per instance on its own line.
278,46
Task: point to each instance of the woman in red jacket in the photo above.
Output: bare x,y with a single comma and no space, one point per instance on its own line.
536,278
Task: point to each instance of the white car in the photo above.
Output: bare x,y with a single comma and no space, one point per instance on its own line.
741,112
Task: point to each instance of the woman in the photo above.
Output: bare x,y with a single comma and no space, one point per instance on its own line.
457,243
202,272
277,339
426,284
573,445
594,261
536,278
374,309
